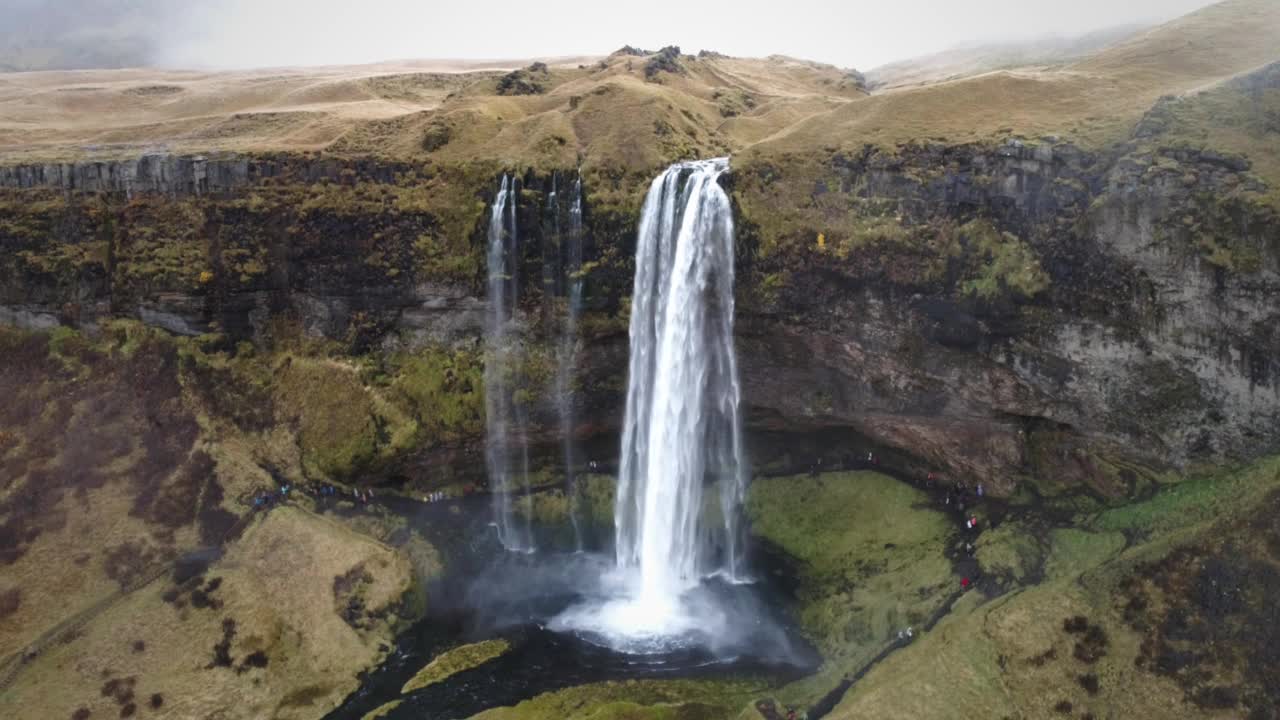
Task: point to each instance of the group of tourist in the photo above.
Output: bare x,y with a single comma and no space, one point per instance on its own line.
265,499
268,498
960,497
846,462
326,491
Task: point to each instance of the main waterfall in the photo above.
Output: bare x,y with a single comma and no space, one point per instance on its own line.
682,417
682,428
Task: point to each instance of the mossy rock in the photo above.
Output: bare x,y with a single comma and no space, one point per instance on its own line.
1011,551
598,495
382,711
871,553
454,661
550,509
636,700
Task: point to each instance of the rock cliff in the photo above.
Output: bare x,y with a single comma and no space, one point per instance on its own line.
999,311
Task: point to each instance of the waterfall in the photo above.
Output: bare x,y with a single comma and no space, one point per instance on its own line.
682,424
504,417
567,355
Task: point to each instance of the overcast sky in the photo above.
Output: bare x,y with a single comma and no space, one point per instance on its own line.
848,33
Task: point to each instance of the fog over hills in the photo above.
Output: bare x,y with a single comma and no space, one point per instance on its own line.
972,59
224,34
69,34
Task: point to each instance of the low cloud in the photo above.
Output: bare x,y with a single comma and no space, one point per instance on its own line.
40,34
72,34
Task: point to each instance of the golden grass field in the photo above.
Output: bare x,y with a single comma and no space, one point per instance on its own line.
608,111
1095,101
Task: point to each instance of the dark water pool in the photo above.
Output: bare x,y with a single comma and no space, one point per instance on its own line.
488,594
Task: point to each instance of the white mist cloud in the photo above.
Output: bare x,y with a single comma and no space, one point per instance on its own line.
852,33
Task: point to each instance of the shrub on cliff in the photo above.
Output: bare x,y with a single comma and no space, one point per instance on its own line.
665,60
856,78
528,81
436,136
997,263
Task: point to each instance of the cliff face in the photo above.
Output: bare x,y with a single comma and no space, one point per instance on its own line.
997,311
166,174
1021,311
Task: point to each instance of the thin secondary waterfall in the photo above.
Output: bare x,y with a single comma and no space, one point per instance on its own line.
567,355
504,418
682,424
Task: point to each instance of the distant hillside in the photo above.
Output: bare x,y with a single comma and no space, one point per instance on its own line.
1095,101
627,109
975,60
636,109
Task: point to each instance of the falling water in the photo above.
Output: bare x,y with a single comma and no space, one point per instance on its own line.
682,431
571,258
682,424
503,416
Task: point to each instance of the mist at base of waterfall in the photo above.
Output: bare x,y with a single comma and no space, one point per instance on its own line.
625,620
586,596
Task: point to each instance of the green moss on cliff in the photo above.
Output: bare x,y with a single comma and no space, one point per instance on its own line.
343,427
444,390
997,263
816,213
532,374
65,261
790,202
163,240
1194,501
1233,233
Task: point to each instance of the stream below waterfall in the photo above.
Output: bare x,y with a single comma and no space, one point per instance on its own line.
489,593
